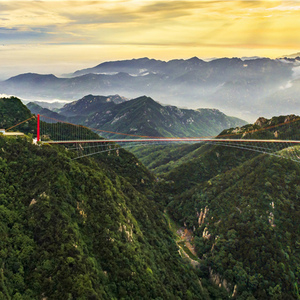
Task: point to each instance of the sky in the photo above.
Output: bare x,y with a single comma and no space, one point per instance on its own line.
63,36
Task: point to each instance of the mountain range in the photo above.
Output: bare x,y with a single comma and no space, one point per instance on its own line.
106,227
141,116
247,88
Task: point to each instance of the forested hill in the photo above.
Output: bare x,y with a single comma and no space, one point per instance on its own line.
84,229
141,116
281,127
12,112
246,223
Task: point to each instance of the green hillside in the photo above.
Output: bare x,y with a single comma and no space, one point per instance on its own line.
80,230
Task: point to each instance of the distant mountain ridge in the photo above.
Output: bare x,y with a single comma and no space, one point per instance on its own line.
142,116
293,56
90,103
37,109
236,86
135,66
142,66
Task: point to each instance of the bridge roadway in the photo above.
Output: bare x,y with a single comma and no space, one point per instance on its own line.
145,140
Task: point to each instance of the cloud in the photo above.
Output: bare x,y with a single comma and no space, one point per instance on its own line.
285,7
296,72
114,17
21,34
286,86
163,6
214,24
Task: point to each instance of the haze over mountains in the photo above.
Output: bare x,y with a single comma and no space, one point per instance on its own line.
246,88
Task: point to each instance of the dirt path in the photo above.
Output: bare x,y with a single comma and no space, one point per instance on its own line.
186,237
192,261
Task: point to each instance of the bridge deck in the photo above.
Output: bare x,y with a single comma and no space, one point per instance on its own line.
171,140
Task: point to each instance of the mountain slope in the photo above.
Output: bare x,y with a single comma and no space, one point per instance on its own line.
37,109
242,208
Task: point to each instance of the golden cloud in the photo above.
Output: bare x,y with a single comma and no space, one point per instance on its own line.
205,23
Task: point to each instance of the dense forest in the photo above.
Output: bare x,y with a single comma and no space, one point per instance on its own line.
246,224
84,229
101,227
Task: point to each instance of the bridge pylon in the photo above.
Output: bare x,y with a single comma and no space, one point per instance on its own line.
38,128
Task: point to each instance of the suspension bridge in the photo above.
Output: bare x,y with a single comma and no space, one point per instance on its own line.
86,141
